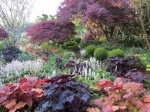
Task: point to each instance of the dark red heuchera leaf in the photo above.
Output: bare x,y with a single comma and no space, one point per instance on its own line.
26,92
53,30
3,34
104,14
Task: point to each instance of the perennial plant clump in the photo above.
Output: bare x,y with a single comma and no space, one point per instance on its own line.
122,96
21,96
64,94
17,69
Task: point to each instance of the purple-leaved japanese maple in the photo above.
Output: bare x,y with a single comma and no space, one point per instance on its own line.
104,14
53,30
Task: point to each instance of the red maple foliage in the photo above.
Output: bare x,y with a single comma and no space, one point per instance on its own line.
18,95
3,34
104,14
93,35
53,30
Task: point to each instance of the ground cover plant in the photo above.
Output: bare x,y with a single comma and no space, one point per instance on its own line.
92,56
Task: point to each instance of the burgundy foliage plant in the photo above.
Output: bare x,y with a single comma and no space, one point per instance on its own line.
104,14
53,30
3,34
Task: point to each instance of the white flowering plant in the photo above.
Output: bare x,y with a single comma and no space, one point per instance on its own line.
17,69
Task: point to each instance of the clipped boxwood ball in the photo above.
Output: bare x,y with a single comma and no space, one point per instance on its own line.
115,52
90,50
100,54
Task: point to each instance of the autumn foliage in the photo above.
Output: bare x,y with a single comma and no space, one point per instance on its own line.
121,96
53,30
22,95
3,34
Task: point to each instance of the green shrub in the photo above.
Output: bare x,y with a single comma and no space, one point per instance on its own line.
90,50
86,43
70,43
25,57
100,53
77,39
46,46
115,52
1,45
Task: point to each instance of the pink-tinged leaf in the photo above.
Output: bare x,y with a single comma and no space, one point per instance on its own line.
31,80
93,110
10,104
146,108
115,108
37,90
107,109
20,105
25,87
3,98
119,81
97,102
104,83
136,102
146,98
132,86
128,95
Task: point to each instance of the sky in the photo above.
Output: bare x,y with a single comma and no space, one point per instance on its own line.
44,7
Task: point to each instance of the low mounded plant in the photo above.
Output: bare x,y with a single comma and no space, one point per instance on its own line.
100,54
121,96
10,53
22,96
116,52
64,94
119,66
90,50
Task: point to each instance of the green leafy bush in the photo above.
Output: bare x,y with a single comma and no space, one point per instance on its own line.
90,50
71,45
1,45
115,52
100,53
86,43
25,57
77,39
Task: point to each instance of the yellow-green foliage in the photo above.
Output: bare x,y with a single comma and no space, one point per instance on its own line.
148,67
115,52
90,50
1,45
46,46
100,54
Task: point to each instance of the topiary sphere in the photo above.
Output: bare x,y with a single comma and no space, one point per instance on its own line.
100,54
90,50
115,52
